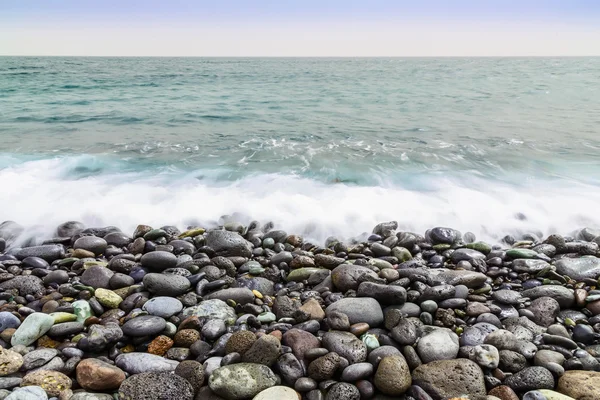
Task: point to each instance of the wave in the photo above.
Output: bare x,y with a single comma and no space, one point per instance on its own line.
97,190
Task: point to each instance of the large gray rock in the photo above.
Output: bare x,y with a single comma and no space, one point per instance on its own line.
159,260
138,363
94,244
440,344
579,268
25,284
444,276
228,244
49,252
346,345
241,381
564,296
166,284
349,276
358,309
97,276
212,309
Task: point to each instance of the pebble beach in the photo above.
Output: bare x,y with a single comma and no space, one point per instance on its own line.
252,312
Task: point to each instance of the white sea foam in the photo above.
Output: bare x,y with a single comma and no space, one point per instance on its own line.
44,193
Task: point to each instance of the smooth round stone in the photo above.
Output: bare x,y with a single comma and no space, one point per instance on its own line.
166,284
35,262
393,376
108,298
213,329
356,372
66,329
28,393
145,325
159,260
8,320
441,344
278,393
91,243
305,384
33,327
380,353
137,363
266,317
163,306
429,306
239,295
360,309
97,276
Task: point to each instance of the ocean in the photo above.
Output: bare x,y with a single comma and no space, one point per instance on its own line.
320,147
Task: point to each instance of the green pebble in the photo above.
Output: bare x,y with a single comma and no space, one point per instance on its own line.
441,247
301,274
82,310
370,341
192,233
481,247
108,298
521,253
60,317
155,234
266,317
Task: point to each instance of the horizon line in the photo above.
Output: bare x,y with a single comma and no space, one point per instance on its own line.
307,56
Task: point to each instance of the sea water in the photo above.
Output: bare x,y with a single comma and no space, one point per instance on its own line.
319,147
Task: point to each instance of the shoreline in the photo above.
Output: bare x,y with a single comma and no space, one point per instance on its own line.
255,312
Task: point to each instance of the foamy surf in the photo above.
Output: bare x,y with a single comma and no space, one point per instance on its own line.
41,194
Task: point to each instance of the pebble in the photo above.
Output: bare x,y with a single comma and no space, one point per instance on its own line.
241,381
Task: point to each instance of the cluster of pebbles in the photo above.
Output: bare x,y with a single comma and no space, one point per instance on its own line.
256,313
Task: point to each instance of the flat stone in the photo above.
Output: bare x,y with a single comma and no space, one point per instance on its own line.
359,309
579,268
33,327
137,363
581,385
163,306
450,378
212,309
93,374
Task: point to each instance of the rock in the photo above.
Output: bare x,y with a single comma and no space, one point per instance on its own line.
193,372
552,395
100,336
300,341
579,268
50,252
91,396
302,274
156,386
441,235
441,344
241,381
26,285
53,382
8,320
503,392
581,385
278,393
93,244
108,298
264,351
228,244
393,376
38,357
358,309
290,368
93,374
33,327
137,363
163,306
466,255
159,261
313,309
28,393
349,276
97,276
545,310
444,276
358,371
530,378
343,391
10,362
346,345
212,309
384,294
450,378
144,325
239,295
324,367
485,356
530,266
166,284
564,296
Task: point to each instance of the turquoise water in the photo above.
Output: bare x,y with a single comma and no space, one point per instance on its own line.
319,146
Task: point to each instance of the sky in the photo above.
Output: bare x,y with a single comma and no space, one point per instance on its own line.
324,28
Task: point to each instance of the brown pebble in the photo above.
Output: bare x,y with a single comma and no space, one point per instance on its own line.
192,322
359,328
7,334
503,393
160,345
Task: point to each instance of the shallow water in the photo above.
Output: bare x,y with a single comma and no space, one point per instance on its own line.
318,146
